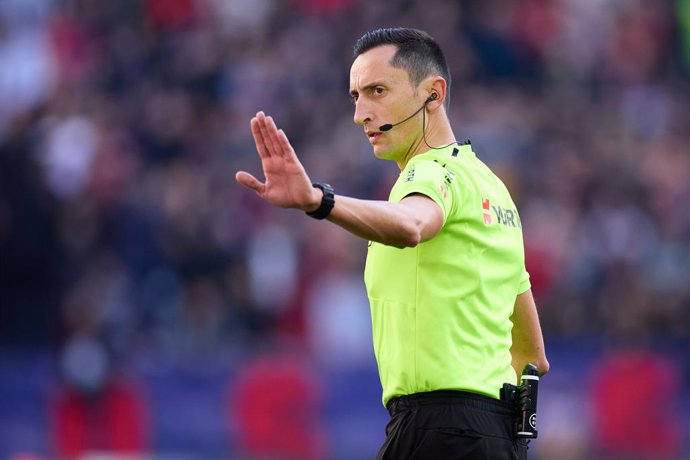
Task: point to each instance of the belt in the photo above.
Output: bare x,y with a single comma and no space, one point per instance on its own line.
452,397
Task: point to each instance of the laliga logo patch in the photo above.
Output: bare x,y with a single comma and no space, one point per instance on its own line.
486,207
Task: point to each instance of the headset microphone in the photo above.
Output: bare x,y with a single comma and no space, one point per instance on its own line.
389,126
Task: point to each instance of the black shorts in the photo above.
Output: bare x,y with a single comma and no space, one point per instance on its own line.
451,425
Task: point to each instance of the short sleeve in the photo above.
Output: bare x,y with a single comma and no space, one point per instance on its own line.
428,178
524,282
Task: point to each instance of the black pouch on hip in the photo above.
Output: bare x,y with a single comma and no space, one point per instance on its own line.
524,400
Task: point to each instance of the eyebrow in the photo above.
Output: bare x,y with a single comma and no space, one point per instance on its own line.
369,86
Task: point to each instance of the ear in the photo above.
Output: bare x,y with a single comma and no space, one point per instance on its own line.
436,86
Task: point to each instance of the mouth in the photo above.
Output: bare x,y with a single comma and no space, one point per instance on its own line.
373,136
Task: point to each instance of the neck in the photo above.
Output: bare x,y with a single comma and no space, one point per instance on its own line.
414,149
437,133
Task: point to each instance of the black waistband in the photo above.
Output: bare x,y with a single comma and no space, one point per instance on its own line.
462,398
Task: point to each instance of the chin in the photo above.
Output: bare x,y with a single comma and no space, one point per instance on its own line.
383,154
379,155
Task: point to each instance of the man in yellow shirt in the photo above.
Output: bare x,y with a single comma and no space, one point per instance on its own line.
452,311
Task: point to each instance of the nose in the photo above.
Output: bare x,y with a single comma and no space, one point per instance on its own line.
362,114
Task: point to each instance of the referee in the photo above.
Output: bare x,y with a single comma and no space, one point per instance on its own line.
452,311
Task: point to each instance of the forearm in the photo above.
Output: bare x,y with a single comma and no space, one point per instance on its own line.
395,224
414,219
528,342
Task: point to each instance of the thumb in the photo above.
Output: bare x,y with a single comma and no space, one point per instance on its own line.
249,181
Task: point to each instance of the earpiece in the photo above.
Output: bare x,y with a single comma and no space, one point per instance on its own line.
433,97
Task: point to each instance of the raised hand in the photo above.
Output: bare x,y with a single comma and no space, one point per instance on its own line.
287,183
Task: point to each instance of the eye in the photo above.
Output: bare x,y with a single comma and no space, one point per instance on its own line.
379,90
354,97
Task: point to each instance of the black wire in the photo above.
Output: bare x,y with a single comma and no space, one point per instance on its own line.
424,135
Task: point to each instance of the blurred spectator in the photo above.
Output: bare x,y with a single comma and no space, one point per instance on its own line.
636,416
337,317
68,155
272,263
276,408
28,70
95,411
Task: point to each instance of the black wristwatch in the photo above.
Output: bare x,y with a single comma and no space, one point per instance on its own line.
327,201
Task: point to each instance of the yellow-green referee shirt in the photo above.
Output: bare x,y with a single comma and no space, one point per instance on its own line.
440,311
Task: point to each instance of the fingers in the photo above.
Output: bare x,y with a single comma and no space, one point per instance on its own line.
249,181
286,148
259,138
266,136
272,133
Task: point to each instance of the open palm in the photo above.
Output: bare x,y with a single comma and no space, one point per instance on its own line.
287,183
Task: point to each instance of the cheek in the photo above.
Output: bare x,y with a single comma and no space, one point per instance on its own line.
409,130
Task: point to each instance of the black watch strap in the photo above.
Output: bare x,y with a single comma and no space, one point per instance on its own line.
327,201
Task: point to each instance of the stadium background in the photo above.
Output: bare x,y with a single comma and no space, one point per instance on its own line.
149,304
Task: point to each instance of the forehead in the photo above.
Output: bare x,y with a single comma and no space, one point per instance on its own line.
374,66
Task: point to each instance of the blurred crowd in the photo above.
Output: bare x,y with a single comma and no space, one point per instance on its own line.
124,237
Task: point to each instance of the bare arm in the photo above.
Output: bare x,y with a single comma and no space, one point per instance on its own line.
528,343
414,219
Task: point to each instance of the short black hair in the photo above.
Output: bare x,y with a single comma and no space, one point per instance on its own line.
417,52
